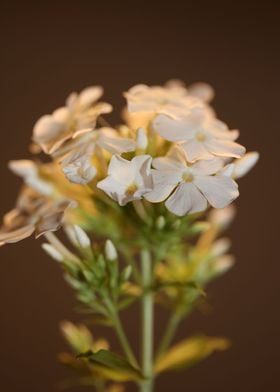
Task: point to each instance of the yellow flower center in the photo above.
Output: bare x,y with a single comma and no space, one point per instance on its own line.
200,137
187,177
131,189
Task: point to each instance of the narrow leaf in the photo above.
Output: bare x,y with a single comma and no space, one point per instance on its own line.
188,352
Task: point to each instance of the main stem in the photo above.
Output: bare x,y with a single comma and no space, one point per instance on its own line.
147,322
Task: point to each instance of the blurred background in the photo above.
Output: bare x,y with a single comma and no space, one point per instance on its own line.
50,48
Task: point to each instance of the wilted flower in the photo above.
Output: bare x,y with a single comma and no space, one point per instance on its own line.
34,213
194,184
127,180
76,118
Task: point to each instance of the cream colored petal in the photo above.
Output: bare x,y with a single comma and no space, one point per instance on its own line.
186,200
113,189
163,184
207,167
218,190
203,91
245,164
46,129
89,95
122,170
225,148
174,130
195,150
23,167
116,144
17,234
49,222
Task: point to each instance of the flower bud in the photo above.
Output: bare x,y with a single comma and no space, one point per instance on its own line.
52,252
82,237
223,264
127,272
141,139
110,251
160,223
77,236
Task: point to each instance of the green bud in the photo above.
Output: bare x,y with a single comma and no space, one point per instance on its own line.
160,222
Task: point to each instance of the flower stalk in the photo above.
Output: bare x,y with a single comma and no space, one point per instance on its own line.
147,321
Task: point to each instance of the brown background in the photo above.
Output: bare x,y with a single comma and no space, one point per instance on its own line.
49,49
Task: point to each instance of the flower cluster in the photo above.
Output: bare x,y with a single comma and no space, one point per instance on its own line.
179,153
141,189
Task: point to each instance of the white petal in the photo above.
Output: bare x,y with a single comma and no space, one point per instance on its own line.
121,170
113,188
203,91
228,170
245,164
225,148
186,200
46,129
90,95
218,190
173,130
113,143
207,167
195,150
23,167
163,184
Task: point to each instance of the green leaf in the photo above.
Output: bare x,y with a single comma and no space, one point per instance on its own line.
112,366
188,352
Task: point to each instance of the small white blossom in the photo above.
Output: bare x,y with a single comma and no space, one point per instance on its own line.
192,184
201,136
127,180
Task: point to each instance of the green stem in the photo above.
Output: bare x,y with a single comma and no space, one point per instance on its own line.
121,335
147,322
169,333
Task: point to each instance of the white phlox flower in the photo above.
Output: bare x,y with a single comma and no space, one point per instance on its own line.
77,117
188,187
201,136
127,180
77,164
